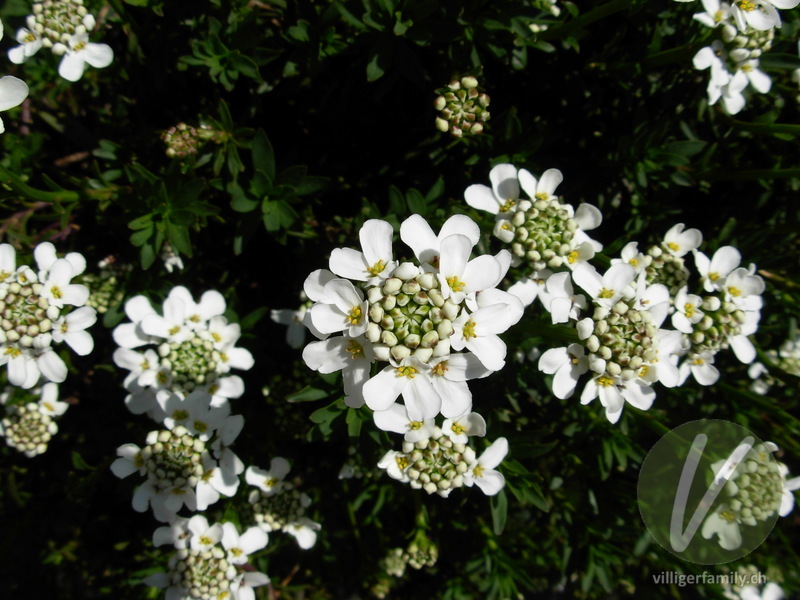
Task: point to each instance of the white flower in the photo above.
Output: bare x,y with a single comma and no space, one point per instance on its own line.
304,531
502,197
345,309
759,14
604,289
239,547
269,482
482,472
80,52
714,271
412,379
630,254
396,419
71,328
458,275
352,356
679,242
717,13
560,299
459,428
12,92
567,365
418,235
372,265
543,188
687,311
30,42
723,523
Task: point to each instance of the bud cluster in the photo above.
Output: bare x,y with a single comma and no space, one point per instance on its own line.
750,44
173,460
755,493
25,313
721,322
105,287
410,316
664,267
436,465
205,573
624,340
541,232
274,512
27,429
181,140
58,20
191,363
36,310
462,108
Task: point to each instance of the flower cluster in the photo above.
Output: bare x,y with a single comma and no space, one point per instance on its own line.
191,347
438,464
463,109
278,505
210,562
755,490
747,31
183,467
542,231
63,26
623,345
786,358
30,420
40,308
435,321
105,287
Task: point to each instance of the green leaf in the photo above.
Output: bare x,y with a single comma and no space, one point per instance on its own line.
307,394
263,154
79,463
354,422
241,203
147,255
277,214
141,236
416,203
142,222
178,237
499,506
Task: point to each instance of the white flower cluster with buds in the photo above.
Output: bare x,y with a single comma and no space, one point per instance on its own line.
30,422
755,490
435,321
63,26
278,505
542,231
786,358
210,562
35,313
623,346
192,347
182,467
747,30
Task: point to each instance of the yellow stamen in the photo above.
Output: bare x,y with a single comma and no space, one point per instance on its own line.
455,283
378,267
409,372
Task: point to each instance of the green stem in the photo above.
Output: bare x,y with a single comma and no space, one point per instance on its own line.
768,128
16,184
560,333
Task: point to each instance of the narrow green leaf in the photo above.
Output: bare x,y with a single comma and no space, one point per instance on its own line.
263,154
499,506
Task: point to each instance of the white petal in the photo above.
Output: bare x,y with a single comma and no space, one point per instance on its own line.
12,92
